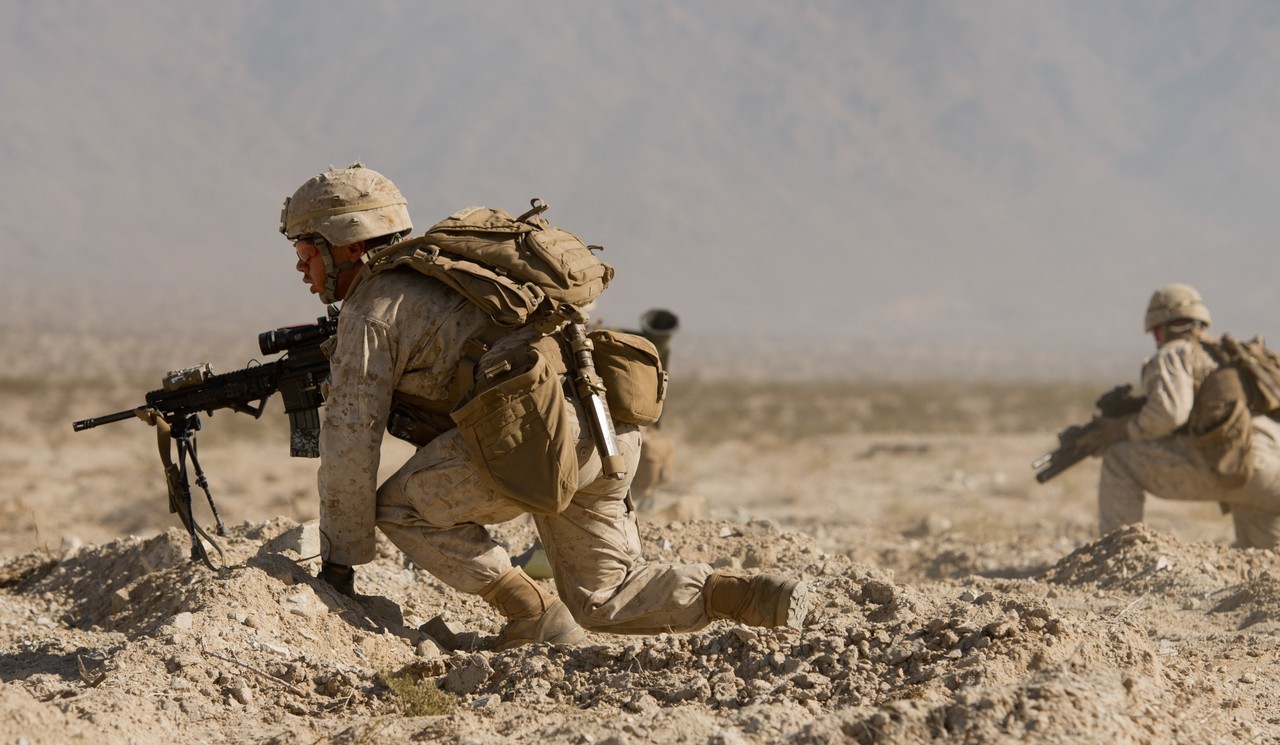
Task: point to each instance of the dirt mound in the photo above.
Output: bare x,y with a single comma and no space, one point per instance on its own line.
130,641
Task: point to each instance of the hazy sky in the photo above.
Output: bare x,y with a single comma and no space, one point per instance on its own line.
977,175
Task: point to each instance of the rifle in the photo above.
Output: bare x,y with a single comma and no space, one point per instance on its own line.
1117,402
174,410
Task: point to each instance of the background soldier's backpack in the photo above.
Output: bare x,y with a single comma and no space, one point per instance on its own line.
1259,368
1246,383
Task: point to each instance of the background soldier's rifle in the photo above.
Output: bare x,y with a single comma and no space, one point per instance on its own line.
1117,402
175,407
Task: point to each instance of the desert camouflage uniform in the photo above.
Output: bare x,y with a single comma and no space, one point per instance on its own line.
401,331
1159,458
654,469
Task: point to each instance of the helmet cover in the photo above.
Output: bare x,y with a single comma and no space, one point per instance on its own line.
1175,302
344,206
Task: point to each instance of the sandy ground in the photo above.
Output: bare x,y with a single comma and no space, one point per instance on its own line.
956,600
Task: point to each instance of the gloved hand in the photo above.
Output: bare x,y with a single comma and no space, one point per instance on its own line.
1103,432
340,577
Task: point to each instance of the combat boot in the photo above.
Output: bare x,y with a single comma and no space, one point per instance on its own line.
340,577
532,615
766,600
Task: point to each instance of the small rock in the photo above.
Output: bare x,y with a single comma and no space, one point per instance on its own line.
301,602
933,524
429,648
242,692
467,679
445,633
182,621
760,556
273,646
880,593
640,703
119,600
727,562
304,540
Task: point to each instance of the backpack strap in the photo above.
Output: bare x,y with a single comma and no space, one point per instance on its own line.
507,302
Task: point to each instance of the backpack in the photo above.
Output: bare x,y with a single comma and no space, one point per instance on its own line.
514,268
509,410
1246,383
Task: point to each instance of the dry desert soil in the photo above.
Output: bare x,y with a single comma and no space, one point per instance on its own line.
955,599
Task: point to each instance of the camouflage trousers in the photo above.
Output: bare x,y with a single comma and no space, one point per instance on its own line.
1172,469
435,509
654,468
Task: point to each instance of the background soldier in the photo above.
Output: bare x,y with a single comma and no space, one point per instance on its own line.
401,333
1153,452
659,451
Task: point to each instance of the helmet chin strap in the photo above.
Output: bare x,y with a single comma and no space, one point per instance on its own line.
329,294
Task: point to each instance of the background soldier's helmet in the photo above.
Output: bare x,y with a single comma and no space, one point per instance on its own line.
344,206
1175,302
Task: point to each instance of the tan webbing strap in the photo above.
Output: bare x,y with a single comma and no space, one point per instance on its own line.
163,443
173,480
474,348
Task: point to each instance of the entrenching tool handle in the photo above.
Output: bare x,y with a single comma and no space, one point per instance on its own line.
590,390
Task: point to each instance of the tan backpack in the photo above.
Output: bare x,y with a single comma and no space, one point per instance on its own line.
521,271
514,268
1245,383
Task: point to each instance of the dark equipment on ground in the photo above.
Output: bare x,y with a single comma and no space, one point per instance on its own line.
1117,402
175,407
658,326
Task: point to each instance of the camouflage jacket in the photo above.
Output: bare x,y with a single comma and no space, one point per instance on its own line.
398,331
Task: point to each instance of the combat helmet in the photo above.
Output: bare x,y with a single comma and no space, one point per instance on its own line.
344,206
1175,302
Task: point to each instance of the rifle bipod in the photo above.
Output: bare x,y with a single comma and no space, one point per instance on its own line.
182,430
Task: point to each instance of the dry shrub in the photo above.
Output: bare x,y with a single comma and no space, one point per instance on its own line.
417,697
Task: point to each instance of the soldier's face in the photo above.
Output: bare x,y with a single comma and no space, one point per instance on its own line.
310,264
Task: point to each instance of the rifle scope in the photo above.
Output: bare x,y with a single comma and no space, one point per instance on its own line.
288,337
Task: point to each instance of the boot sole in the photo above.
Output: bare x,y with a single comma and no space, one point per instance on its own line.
576,636
794,609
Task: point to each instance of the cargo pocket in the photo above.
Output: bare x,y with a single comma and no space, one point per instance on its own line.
516,431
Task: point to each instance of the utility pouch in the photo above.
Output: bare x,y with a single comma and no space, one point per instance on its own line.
631,370
405,423
1221,429
516,428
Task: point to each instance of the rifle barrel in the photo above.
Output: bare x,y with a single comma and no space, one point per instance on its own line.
98,421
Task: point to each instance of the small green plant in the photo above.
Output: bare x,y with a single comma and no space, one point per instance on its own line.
417,697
